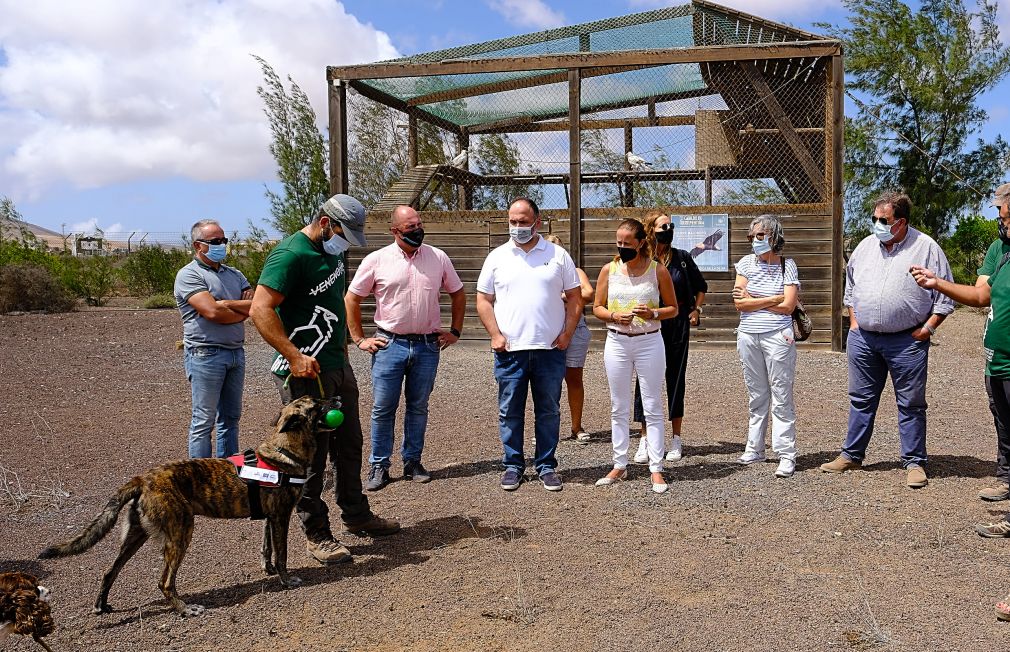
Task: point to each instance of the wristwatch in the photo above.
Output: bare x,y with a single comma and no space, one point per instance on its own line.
655,314
700,311
932,331
455,332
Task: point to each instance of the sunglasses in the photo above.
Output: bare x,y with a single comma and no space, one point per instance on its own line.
215,241
880,220
665,227
759,236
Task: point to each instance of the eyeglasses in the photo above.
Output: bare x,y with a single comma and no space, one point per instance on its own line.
879,220
215,241
665,227
759,236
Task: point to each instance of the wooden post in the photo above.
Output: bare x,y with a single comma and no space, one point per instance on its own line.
412,140
835,127
629,144
708,186
575,165
463,191
337,105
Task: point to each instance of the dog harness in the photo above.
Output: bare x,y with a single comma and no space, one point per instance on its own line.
257,472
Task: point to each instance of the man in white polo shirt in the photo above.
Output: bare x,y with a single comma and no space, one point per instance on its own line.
405,278
519,302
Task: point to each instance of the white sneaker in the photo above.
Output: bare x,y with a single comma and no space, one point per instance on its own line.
786,468
674,453
642,456
750,457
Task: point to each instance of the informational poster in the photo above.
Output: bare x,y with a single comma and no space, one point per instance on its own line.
705,237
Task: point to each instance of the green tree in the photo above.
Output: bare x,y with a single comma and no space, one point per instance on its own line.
967,245
751,191
921,72
498,154
599,156
298,148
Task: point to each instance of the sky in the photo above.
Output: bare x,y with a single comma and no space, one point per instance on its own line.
143,116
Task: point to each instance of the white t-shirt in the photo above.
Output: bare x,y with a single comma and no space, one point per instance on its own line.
527,290
765,280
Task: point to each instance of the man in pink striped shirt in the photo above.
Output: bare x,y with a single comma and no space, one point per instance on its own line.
406,278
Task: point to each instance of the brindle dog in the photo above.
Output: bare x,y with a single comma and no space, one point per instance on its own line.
164,501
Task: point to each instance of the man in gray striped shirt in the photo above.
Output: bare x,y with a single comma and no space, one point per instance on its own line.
891,321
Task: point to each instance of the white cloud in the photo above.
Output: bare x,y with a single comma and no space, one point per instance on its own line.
534,14
101,92
783,11
91,227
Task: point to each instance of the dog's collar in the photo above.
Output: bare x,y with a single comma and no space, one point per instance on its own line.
294,458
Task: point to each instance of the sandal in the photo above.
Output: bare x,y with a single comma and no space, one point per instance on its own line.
582,437
1003,609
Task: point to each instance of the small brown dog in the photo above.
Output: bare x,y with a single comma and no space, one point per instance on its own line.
164,501
24,608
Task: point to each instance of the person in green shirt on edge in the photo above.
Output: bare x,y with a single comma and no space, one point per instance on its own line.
991,289
299,310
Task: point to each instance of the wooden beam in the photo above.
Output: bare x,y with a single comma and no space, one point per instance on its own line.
700,54
337,121
785,126
464,191
749,18
836,90
412,140
629,144
396,103
616,123
575,165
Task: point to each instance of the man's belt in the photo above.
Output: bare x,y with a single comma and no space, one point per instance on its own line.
411,337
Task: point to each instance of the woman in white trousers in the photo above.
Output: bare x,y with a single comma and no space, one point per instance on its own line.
765,292
628,294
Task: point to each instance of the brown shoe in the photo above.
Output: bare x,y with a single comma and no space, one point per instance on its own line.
374,527
840,464
916,477
993,494
328,551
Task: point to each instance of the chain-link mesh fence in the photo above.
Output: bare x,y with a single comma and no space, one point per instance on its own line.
748,132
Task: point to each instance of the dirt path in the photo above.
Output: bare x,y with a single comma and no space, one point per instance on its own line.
729,559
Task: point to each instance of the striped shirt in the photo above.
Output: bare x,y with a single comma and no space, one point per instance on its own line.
880,291
765,280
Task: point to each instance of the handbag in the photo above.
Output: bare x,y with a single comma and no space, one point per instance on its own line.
802,324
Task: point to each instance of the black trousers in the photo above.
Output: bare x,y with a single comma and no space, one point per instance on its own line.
999,403
342,447
676,338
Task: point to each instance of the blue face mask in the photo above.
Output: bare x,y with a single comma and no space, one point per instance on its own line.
216,253
882,231
760,247
336,245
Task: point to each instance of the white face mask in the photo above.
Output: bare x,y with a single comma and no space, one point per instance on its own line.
760,247
883,231
521,234
336,245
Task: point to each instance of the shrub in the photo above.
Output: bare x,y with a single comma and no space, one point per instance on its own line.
32,287
151,270
160,301
90,278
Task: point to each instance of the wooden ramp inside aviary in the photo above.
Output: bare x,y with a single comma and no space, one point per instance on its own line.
407,191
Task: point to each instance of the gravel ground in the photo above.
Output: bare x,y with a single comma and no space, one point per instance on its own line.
730,559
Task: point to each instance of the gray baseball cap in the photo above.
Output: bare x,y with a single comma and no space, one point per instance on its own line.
349,212
1002,195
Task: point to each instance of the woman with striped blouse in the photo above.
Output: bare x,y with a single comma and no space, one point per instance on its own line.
765,293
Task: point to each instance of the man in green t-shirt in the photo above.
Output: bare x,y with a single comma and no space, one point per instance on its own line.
299,310
992,288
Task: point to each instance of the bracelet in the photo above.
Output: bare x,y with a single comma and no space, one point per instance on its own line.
455,332
932,331
358,341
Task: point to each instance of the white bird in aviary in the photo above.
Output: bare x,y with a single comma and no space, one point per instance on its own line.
459,160
637,162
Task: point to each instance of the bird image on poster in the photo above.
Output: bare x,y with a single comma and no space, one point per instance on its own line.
705,238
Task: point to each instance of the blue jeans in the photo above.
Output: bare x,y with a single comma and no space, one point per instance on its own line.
542,371
871,357
409,367
216,375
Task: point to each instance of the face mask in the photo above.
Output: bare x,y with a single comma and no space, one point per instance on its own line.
336,245
882,231
760,247
664,237
1003,235
216,253
413,238
521,234
627,254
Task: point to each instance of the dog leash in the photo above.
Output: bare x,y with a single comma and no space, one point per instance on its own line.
322,393
333,418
